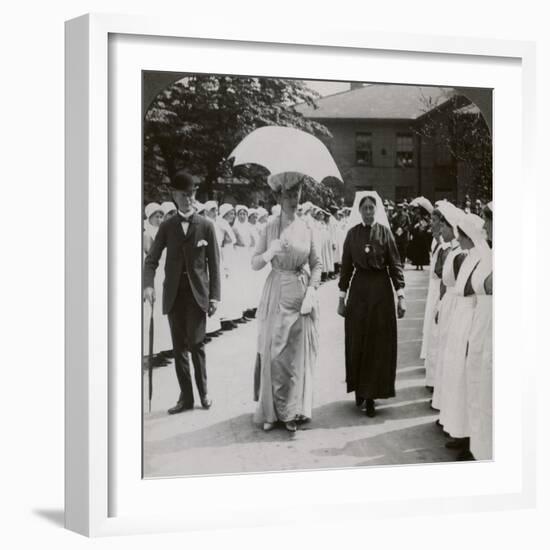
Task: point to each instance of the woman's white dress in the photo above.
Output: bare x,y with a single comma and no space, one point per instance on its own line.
432,343
288,341
429,312
243,256
259,276
162,341
479,366
231,290
334,227
454,411
326,255
213,324
444,311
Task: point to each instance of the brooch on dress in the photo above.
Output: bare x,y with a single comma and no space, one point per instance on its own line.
367,249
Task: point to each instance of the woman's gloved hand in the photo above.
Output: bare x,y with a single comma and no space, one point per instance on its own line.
309,301
341,310
275,248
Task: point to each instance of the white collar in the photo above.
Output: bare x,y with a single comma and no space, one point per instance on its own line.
187,216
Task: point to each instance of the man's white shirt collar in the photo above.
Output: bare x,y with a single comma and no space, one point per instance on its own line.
186,216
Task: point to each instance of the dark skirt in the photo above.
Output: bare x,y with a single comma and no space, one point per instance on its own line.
402,244
419,248
371,336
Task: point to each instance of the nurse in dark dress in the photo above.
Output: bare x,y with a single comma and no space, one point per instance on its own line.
370,264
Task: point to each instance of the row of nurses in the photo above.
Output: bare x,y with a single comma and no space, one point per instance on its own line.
459,322
155,214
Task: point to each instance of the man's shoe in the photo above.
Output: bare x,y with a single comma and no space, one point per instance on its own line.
206,403
180,407
370,409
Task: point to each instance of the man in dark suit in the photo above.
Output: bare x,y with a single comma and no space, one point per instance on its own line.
191,286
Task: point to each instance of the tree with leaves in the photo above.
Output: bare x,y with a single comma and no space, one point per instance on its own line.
196,122
459,126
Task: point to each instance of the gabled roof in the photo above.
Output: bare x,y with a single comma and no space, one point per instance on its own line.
379,101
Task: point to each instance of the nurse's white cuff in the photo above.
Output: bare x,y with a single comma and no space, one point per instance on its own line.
342,294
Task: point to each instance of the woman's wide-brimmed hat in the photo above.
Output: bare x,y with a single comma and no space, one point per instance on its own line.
151,208
424,203
472,226
241,207
225,208
168,206
450,212
209,205
285,180
262,212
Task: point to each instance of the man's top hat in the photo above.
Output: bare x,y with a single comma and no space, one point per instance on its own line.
183,181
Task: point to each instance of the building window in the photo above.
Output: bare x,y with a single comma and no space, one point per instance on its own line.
363,148
404,150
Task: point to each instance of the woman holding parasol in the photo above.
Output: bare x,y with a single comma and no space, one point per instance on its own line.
287,314
288,311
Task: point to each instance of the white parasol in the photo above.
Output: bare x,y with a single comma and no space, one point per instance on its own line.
281,149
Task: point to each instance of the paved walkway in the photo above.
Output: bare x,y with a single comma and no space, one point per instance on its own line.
225,440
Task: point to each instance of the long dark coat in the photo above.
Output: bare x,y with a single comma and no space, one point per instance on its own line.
195,253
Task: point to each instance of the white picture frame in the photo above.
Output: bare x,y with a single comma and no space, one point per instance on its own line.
95,446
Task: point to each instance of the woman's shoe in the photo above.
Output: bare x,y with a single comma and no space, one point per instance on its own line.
291,426
370,409
268,426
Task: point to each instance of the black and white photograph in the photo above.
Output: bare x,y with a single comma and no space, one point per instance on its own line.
257,245
317,274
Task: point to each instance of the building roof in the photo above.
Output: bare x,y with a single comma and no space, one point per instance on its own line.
379,101
470,109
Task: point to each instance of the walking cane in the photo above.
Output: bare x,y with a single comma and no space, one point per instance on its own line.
151,336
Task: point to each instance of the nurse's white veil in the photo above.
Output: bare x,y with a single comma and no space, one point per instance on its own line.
380,215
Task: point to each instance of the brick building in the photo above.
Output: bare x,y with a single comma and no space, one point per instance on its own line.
377,144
